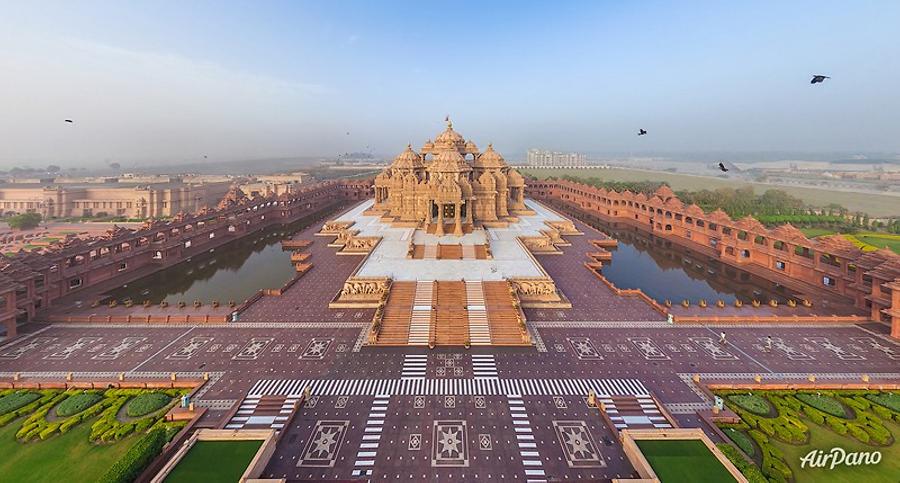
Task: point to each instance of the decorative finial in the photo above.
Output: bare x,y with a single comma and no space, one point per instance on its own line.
448,121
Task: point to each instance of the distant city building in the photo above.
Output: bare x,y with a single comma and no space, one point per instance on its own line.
132,200
540,157
273,184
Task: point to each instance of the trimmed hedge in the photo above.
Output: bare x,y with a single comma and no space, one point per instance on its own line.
76,403
16,400
130,466
741,440
753,403
147,403
890,400
824,403
36,424
749,470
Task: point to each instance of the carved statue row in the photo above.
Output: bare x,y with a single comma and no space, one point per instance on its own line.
532,288
356,288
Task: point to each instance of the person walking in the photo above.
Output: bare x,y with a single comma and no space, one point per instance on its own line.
768,343
722,338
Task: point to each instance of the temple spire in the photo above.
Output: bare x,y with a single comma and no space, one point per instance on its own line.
448,121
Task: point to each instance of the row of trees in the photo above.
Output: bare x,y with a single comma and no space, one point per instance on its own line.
24,221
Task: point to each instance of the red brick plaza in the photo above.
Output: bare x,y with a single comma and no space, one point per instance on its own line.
411,413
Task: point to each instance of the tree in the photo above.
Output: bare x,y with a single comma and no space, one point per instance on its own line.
115,165
53,168
25,221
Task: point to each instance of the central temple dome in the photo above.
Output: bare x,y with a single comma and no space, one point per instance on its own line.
443,183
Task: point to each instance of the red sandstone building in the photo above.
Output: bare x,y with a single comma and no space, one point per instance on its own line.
32,281
824,266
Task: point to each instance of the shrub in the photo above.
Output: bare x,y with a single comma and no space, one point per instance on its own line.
890,400
837,425
751,402
858,432
16,400
76,403
814,414
823,403
881,412
146,404
130,466
750,471
741,440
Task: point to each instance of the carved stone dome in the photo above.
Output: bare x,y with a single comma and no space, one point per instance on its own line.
490,159
408,159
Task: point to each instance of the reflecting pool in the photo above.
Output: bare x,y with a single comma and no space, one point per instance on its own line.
234,271
667,271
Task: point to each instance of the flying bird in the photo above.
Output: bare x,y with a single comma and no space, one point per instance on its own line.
641,132
818,79
348,133
70,121
722,168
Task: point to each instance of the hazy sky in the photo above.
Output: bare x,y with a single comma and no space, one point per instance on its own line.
173,81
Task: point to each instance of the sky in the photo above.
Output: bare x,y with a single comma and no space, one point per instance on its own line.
165,82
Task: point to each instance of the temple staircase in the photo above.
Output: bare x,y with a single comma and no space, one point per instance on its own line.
479,329
420,322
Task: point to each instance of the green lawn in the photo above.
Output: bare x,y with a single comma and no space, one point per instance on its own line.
814,232
214,461
874,204
822,438
70,457
880,240
677,461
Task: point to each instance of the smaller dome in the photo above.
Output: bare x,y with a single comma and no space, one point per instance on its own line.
490,159
471,148
408,159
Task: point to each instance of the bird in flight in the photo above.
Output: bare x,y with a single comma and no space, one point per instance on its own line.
70,121
818,79
641,132
722,168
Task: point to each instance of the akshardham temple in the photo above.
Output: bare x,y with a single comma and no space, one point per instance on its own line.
449,241
450,181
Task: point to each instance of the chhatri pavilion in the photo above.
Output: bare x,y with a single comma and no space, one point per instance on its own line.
450,182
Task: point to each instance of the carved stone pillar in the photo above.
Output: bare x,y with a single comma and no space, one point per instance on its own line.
469,212
440,221
457,229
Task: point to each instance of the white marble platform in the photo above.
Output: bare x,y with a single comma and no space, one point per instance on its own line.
511,259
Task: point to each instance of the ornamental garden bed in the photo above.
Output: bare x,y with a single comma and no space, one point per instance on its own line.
785,444
75,435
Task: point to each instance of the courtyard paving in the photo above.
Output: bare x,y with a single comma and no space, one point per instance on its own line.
414,414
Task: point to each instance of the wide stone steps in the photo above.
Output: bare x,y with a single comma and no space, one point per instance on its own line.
451,322
420,323
398,314
479,328
450,313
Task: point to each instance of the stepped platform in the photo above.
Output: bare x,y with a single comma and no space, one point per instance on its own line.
449,252
451,313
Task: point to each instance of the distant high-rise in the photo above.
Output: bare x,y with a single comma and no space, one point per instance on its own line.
540,157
